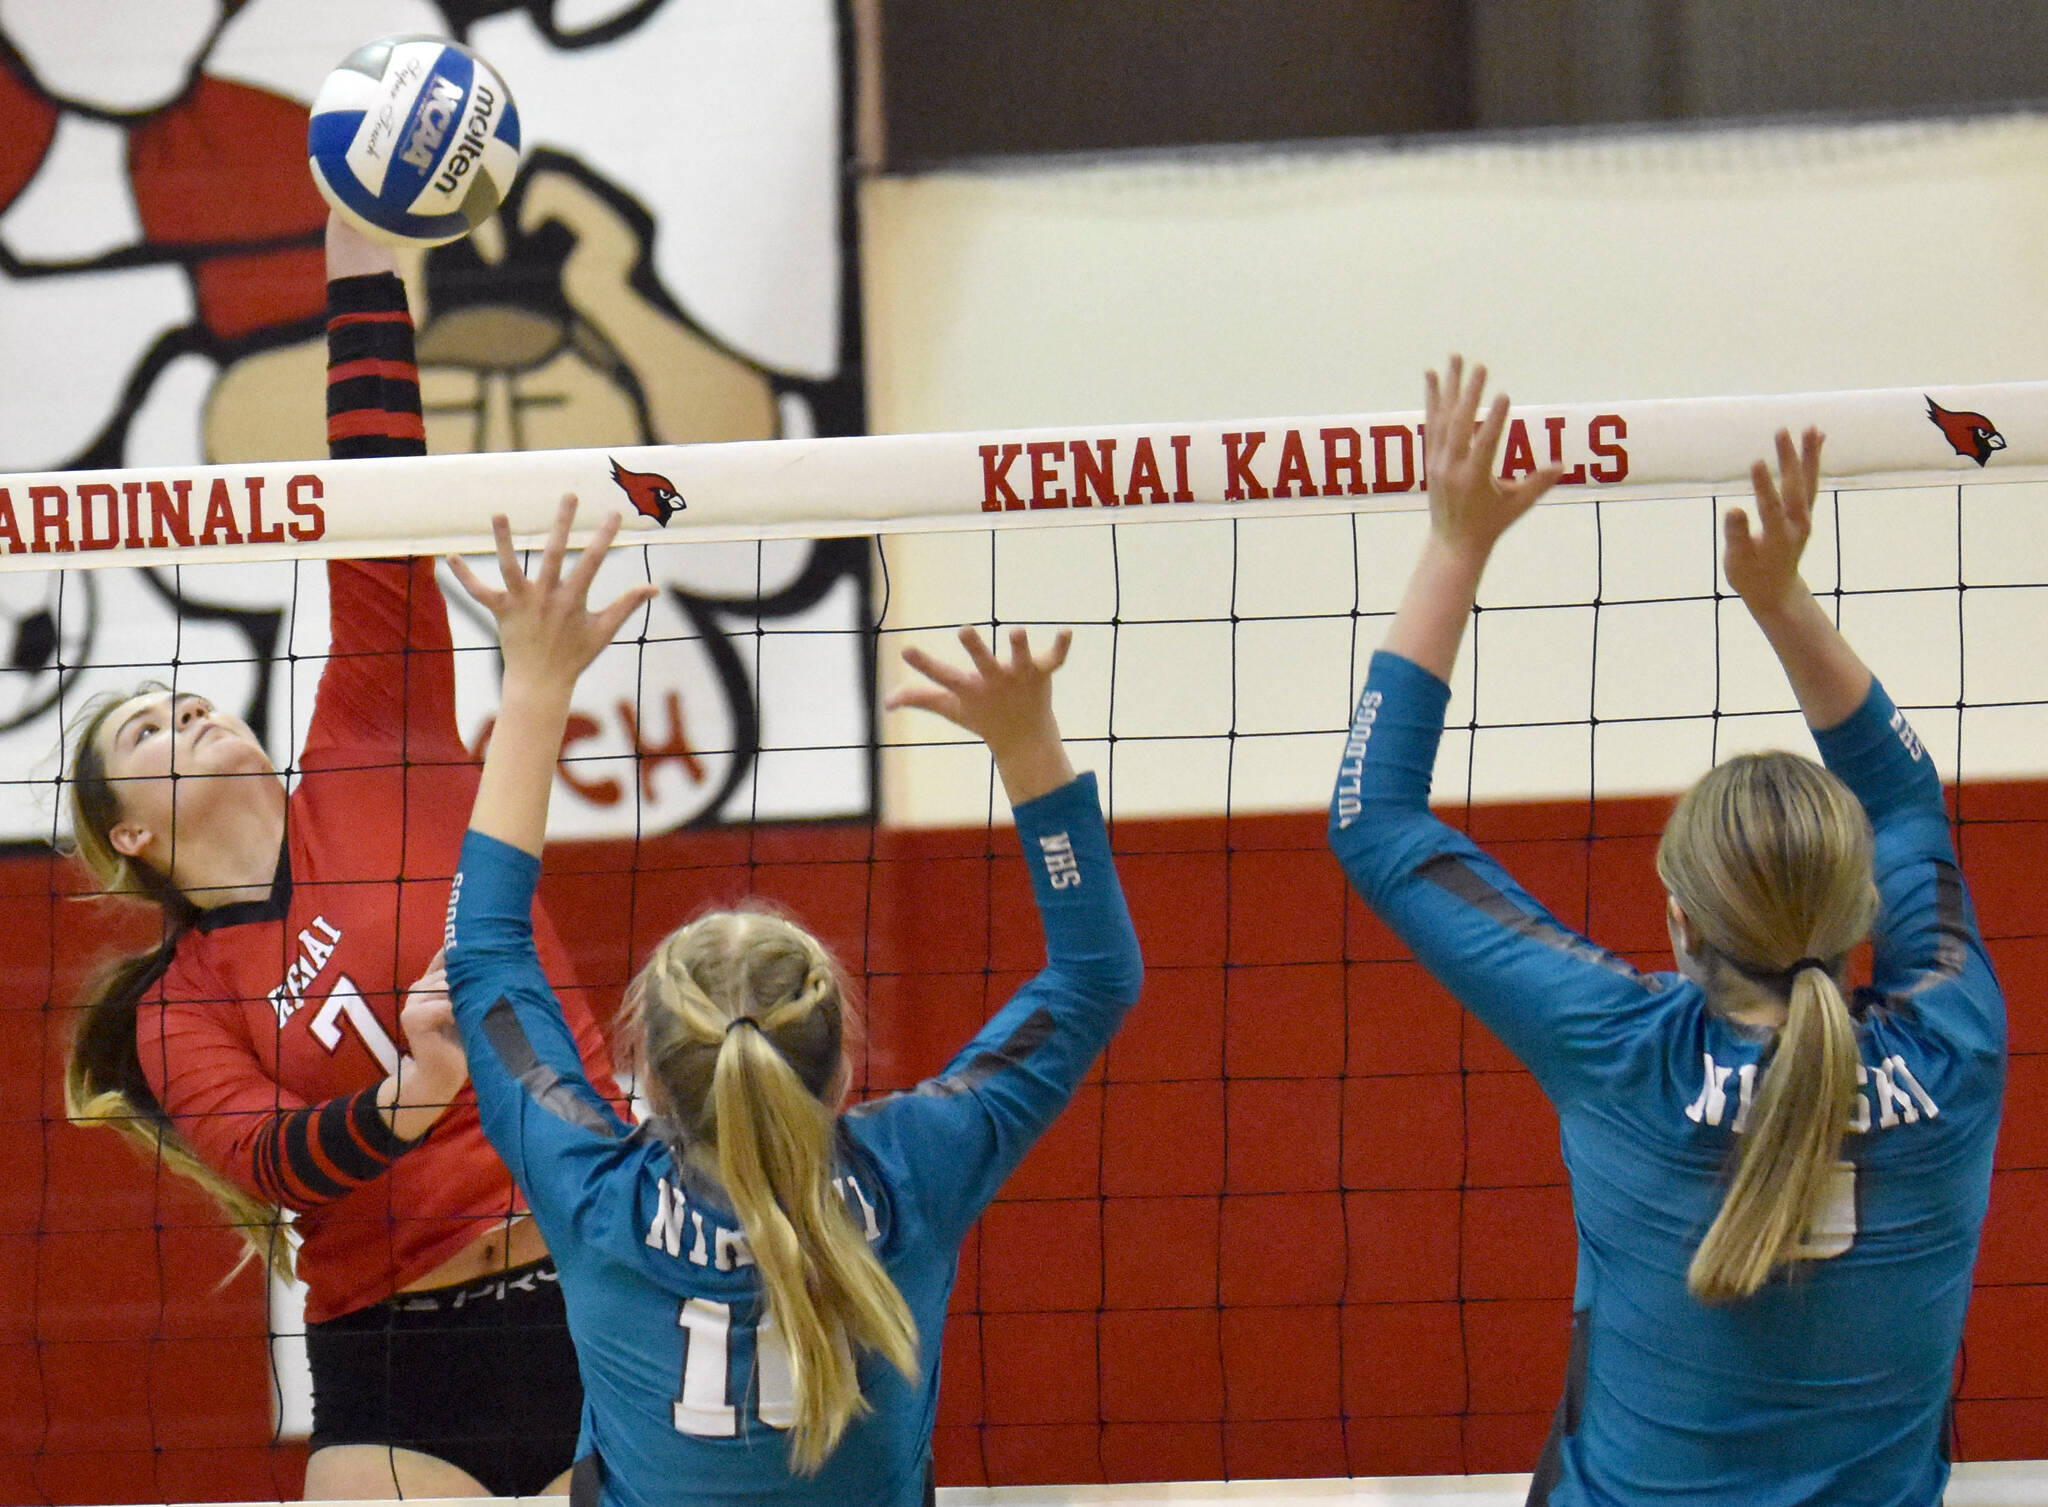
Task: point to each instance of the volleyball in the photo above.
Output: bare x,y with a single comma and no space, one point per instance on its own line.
414,139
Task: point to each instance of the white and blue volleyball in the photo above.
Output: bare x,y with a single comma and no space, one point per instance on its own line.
414,140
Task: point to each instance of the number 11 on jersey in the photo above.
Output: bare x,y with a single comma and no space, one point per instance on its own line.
704,1406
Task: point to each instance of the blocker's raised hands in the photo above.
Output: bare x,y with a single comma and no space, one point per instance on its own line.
545,626
1763,566
549,634
1469,506
1008,706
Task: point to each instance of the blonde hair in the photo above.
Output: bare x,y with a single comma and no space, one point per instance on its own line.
103,1079
737,1020
1769,856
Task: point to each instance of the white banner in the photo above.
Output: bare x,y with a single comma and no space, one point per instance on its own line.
815,488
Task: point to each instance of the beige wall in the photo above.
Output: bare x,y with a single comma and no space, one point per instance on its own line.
1646,266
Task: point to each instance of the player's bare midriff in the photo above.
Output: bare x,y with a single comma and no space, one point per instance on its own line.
513,1243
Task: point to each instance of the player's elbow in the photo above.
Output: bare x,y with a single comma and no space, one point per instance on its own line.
1371,838
1123,978
482,960
1113,976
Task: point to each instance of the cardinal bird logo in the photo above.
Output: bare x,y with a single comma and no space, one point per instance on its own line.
1971,433
655,496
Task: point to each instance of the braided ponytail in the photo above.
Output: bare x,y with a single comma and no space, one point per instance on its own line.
740,1019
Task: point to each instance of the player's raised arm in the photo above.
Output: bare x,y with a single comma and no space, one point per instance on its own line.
379,610
1926,935
1762,565
1011,1081
1008,706
1549,993
1470,507
549,635
510,1021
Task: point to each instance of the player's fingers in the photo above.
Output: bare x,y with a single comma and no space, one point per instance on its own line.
936,670
1735,531
488,597
1056,656
1468,405
984,660
1450,402
592,558
1769,506
558,544
1487,441
1432,396
1452,429
613,618
924,698
508,562
1809,460
1791,477
1524,492
1020,650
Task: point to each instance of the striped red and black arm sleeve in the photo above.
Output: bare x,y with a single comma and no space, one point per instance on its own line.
307,1157
373,380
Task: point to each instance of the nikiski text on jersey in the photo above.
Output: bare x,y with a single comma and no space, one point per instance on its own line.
679,1226
1889,1088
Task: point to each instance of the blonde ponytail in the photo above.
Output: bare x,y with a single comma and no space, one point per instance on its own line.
1786,1165
1769,856
739,1016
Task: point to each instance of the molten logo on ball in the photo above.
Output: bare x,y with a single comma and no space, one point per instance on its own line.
413,139
471,147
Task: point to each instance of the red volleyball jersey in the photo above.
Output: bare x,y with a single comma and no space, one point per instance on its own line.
277,1019
268,1034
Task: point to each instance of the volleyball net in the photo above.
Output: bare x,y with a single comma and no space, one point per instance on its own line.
1307,1219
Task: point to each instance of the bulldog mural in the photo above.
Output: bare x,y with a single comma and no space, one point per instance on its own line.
671,266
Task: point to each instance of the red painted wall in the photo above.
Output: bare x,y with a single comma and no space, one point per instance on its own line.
1308,1219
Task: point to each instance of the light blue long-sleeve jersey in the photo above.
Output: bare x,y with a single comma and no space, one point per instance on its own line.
682,1397
1830,1385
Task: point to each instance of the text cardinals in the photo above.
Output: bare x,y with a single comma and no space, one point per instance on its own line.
1259,464
58,519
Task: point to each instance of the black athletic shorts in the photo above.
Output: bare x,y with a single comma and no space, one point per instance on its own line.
481,1375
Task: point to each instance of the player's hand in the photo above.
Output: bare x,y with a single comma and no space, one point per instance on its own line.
1009,706
435,1067
1762,565
545,625
1469,506
350,253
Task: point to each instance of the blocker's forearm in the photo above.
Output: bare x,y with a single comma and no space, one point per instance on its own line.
1430,625
1829,678
519,770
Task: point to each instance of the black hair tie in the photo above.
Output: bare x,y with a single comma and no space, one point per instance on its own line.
1805,963
743,1020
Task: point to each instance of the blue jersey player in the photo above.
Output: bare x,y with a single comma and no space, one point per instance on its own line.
1778,1187
756,1283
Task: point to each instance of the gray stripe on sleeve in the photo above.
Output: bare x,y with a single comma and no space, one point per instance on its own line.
1453,873
542,1083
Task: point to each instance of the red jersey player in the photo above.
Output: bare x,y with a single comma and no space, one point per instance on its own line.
262,1048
